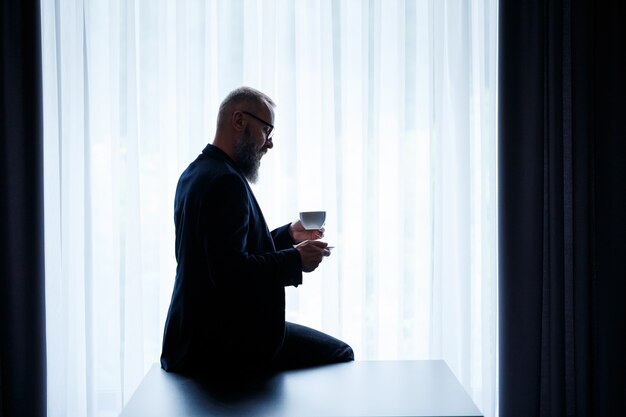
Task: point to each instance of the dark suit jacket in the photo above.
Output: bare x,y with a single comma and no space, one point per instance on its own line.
228,304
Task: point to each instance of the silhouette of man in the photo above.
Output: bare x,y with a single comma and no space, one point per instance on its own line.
227,313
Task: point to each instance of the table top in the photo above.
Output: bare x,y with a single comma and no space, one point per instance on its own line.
361,388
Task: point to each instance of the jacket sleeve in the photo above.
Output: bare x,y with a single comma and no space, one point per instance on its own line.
226,230
282,238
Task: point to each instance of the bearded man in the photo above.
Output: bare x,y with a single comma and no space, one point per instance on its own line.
227,313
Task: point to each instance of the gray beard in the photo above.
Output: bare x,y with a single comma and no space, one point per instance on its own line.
247,157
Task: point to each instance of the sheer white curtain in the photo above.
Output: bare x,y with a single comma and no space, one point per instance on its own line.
386,119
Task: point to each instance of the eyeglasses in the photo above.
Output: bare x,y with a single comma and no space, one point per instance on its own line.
269,132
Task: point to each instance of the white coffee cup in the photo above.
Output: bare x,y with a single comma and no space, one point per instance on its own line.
312,220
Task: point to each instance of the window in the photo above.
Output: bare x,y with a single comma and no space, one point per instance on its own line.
386,119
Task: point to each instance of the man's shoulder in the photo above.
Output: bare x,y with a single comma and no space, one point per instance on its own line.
209,167
207,172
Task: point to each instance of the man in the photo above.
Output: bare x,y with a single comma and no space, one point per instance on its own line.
227,313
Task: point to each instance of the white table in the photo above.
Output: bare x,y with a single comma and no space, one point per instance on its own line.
361,388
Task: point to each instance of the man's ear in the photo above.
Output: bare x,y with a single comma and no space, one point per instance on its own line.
237,121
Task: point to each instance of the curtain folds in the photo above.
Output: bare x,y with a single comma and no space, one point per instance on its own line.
561,209
386,119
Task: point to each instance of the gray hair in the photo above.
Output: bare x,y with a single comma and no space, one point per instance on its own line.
243,95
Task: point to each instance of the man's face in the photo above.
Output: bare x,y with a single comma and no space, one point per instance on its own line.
253,144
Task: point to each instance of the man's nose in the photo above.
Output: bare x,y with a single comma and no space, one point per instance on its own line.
269,143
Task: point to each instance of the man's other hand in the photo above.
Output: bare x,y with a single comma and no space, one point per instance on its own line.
312,252
300,234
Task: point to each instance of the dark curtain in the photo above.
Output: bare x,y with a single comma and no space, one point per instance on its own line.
22,322
562,208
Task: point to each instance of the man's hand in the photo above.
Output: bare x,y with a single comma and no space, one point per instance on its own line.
312,252
300,234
